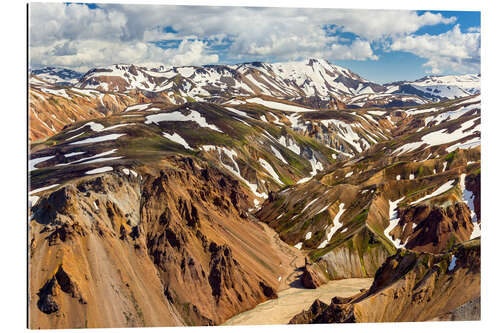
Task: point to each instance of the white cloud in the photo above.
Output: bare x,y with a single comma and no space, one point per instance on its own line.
90,53
51,22
377,24
190,53
79,37
452,50
358,50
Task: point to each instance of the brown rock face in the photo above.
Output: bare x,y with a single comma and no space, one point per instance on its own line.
312,277
59,282
473,183
346,262
182,213
410,286
434,229
310,314
49,113
170,249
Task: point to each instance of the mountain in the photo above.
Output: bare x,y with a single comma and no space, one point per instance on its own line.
57,75
411,286
314,84
418,188
308,78
53,106
241,181
438,88
170,189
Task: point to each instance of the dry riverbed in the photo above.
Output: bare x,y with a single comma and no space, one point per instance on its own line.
293,300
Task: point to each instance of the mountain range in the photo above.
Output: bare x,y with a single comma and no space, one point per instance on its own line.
241,181
292,81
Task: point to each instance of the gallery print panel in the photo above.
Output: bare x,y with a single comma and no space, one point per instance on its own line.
200,165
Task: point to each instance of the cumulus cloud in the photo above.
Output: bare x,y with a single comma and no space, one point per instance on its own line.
76,36
52,22
452,50
358,50
378,24
83,55
190,53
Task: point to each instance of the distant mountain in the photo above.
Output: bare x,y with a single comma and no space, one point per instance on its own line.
438,88
57,75
291,80
315,84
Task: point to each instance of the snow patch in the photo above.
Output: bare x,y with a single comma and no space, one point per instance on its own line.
270,170
290,144
278,155
177,139
309,204
277,105
74,154
208,147
323,209
178,116
99,170
468,198
316,165
452,263
238,112
393,221
103,138
440,190
137,107
32,163
45,188
336,226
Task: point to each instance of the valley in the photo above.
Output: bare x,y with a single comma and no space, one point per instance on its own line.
280,193
291,301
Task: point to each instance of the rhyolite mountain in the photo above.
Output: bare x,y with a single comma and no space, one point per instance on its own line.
411,286
61,96
57,75
437,88
138,198
313,82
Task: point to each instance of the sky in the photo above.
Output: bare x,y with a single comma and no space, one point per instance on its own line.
380,45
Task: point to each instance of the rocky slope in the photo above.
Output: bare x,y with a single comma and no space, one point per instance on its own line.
403,192
128,248
61,96
411,286
439,88
153,182
53,106
163,193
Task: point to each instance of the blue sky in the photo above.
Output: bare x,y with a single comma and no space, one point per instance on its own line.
380,45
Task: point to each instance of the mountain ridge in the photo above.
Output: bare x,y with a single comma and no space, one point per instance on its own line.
162,68
290,80
206,185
